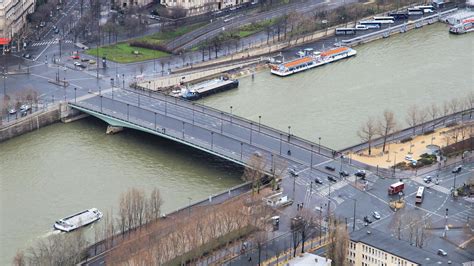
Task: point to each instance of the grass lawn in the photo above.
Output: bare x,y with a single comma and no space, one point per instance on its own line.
251,29
163,37
123,53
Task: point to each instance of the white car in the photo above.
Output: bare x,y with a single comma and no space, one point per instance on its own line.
25,107
408,158
376,215
12,111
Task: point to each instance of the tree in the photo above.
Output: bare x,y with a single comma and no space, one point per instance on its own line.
413,117
433,112
396,224
367,132
422,115
470,103
338,242
386,126
154,204
255,171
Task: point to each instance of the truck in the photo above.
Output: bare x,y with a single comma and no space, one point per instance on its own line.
395,188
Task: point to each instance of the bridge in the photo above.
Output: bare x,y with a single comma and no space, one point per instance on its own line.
213,131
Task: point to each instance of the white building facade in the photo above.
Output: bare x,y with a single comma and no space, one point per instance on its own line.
13,16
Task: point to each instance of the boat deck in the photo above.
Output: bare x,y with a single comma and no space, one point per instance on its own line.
80,218
209,85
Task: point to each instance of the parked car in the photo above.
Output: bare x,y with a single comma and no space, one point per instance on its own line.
343,173
317,180
56,31
12,111
25,107
330,168
367,219
91,62
376,215
427,179
42,24
85,60
408,157
77,64
75,57
332,179
442,252
457,169
360,173
23,113
27,56
413,162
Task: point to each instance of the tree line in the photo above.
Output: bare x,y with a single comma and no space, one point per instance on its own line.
387,124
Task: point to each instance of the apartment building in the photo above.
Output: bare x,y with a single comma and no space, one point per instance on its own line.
13,16
195,7
370,247
128,3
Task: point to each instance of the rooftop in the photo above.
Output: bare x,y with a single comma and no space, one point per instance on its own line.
309,259
400,248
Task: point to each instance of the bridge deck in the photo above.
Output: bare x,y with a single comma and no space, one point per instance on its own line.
216,132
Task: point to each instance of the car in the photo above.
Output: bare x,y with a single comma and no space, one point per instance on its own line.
376,215
408,157
91,62
332,179
360,173
317,180
56,31
85,60
330,168
437,181
25,107
457,169
413,162
367,219
75,57
23,113
257,153
343,173
77,64
12,111
441,252
427,179
42,24
293,172
27,56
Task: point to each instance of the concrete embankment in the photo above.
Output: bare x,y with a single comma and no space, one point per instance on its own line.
59,112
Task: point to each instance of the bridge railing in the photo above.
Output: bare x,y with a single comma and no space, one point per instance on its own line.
243,122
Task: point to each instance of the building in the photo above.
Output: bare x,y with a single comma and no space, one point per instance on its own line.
369,247
309,259
196,7
128,3
13,16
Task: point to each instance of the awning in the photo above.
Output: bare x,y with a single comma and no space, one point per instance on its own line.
4,41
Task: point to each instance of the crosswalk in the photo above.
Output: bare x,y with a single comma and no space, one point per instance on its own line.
51,42
462,216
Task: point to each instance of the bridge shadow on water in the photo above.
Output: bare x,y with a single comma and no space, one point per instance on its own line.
174,150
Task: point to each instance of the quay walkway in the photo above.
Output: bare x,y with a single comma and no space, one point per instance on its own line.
213,131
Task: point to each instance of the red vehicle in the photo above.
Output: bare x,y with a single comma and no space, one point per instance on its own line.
75,57
396,188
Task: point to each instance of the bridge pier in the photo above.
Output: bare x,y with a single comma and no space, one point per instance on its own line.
111,130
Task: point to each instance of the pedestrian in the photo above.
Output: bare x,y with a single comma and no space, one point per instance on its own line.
301,205
250,259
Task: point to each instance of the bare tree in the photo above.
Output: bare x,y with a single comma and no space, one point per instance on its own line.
454,105
433,112
396,224
422,115
367,132
470,103
338,242
19,259
255,171
413,117
386,126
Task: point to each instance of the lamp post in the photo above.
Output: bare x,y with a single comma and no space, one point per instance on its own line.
311,166
231,114
394,162
259,120
75,89
289,132
354,222
123,81
319,144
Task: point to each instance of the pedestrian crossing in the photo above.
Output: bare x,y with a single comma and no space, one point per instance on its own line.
51,42
463,216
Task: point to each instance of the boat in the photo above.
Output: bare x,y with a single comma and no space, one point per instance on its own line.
465,26
206,88
78,220
315,60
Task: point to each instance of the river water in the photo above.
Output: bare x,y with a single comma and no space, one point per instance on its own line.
61,169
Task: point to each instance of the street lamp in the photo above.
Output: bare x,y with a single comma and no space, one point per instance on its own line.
289,132
394,162
354,222
123,81
259,120
319,148
75,89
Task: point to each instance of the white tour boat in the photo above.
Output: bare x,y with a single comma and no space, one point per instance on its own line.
78,220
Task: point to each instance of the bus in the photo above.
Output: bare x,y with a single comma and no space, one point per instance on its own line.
432,8
345,31
419,194
415,11
384,18
371,24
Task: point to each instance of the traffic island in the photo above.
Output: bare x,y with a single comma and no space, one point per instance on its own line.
397,204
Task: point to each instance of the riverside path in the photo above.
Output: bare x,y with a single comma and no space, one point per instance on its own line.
216,132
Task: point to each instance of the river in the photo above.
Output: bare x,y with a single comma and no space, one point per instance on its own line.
63,168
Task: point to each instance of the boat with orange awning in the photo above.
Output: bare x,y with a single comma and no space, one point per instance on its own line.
312,61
